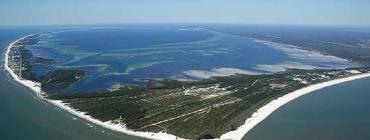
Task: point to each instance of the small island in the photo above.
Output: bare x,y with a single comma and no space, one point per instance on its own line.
202,109
19,61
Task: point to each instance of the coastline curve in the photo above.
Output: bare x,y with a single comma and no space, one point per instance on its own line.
257,117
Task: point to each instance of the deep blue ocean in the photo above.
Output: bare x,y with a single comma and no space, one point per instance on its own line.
339,112
25,117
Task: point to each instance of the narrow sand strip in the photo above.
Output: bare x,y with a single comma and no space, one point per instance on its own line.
256,117
267,109
36,87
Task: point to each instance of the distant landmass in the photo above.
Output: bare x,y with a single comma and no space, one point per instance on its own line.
192,83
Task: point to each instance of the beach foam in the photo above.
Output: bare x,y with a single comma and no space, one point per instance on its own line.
113,126
36,87
256,117
269,108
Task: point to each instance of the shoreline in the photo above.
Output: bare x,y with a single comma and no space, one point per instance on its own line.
257,117
36,87
265,111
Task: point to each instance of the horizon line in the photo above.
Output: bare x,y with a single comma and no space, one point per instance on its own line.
188,23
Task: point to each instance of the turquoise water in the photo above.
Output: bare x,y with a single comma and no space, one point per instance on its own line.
340,112
23,117
131,55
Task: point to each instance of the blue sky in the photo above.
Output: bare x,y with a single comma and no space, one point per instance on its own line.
308,12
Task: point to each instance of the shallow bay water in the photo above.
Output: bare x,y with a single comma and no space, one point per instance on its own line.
23,116
132,55
337,112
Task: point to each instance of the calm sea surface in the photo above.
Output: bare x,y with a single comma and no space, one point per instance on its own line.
131,55
337,112
23,117
340,112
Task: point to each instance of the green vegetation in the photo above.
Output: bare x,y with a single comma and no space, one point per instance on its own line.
188,109
21,63
194,109
41,60
60,79
350,45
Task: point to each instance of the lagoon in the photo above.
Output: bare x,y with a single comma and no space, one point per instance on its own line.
132,55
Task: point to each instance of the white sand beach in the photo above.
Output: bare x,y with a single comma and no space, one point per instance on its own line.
267,109
256,118
36,87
